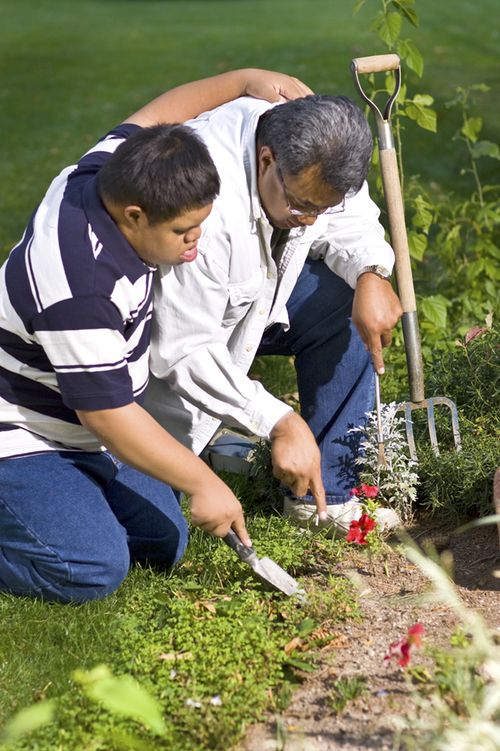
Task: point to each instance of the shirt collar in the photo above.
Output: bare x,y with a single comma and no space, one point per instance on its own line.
104,226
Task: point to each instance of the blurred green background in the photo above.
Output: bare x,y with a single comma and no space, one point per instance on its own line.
71,70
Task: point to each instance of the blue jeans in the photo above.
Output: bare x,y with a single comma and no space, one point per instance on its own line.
72,522
334,371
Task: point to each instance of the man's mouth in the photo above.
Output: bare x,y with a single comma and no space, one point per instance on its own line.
190,255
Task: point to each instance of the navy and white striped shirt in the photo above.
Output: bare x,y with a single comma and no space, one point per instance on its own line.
75,313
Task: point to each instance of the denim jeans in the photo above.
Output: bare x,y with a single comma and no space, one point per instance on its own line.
334,371
71,523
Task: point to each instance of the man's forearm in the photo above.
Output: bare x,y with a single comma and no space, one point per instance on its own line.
135,438
191,99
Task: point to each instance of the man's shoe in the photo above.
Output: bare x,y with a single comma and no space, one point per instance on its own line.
340,516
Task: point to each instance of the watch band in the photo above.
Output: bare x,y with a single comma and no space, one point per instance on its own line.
380,271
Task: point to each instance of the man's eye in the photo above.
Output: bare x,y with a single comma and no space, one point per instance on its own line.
179,232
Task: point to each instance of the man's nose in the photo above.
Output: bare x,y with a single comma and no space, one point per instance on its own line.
192,235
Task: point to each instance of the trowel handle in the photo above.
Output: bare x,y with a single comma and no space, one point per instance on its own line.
235,543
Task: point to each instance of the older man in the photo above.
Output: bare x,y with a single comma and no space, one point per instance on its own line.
292,261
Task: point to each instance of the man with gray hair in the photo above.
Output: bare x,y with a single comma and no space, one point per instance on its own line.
292,261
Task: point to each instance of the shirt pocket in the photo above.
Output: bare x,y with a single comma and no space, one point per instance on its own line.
241,295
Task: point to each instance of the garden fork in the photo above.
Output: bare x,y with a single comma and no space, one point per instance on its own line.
397,225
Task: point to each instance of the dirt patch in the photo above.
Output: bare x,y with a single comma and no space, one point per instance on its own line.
391,599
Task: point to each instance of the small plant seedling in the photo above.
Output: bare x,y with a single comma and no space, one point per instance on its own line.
345,690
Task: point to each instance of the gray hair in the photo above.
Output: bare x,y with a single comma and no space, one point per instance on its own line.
330,131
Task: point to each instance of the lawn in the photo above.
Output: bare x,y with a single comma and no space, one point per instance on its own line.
70,71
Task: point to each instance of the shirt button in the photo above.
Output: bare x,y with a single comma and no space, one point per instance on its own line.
262,312
248,348
270,275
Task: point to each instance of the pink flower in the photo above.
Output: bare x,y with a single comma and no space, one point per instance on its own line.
401,649
354,491
359,528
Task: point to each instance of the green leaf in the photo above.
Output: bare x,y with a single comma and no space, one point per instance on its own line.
388,27
357,6
122,695
485,148
453,236
433,309
417,243
424,116
294,662
306,627
409,52
483,87
424,99
27,720
423,215
407,10
471,128
491,289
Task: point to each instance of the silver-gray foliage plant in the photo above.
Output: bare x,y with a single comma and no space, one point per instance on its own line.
397,480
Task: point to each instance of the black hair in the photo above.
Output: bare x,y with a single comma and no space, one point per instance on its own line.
330,131
166,170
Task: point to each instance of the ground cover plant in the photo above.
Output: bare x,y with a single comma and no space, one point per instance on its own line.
192,658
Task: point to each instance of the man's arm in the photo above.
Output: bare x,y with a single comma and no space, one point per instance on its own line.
191,357
352,241
191,99
135,438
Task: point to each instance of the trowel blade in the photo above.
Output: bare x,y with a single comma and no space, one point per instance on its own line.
265,568
270,572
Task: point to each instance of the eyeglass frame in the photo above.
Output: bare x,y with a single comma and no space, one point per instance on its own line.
337,209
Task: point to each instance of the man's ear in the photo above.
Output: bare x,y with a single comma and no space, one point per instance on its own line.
133,215
265,159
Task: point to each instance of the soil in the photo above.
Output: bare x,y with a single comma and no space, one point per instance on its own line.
391,597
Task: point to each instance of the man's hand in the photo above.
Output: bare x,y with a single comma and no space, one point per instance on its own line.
274,87
296,459
216,510
375,311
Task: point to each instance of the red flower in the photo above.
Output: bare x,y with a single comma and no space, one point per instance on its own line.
356,534
401,649
415,633
359,528
370,491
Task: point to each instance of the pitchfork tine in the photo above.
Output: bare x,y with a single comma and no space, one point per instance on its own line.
409,431
432,426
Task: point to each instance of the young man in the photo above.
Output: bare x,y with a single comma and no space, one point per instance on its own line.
75,310
292,261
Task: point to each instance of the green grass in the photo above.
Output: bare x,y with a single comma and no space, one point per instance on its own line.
70,71
214,624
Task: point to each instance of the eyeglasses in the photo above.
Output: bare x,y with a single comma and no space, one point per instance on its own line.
313,211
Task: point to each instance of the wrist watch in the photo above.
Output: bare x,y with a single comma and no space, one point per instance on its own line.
380,271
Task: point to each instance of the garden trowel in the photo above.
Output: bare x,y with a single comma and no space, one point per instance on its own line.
266,569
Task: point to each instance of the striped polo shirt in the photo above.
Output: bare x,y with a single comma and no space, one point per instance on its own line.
75,315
